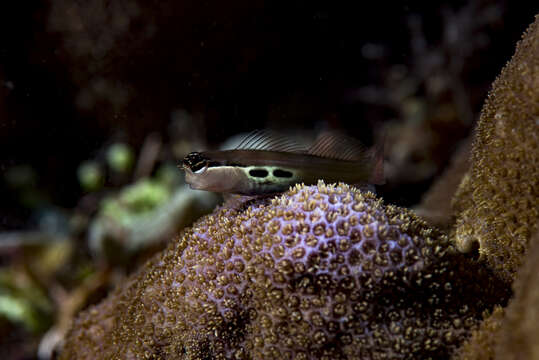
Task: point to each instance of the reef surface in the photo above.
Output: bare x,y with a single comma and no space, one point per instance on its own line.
497,200
321,272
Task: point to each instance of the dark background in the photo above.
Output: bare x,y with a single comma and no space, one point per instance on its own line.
77,75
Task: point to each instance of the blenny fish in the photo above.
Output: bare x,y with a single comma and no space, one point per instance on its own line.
267,163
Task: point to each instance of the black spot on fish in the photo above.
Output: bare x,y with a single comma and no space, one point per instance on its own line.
259,173
282,173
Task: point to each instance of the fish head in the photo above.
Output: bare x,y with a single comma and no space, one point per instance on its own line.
195,165
196,162
201,176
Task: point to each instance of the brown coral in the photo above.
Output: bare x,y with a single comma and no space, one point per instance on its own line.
511,333
499,196
480,345
518,336
321,272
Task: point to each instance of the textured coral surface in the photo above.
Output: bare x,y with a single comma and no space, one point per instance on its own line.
321,272
511,333
480,345
499,196
518,336
498,205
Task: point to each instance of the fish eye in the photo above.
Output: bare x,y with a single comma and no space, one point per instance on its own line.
200,167
196,162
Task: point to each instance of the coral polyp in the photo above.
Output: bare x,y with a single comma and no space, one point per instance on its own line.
321,272
497,201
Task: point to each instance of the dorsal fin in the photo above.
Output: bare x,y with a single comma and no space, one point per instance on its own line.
270,141
336,145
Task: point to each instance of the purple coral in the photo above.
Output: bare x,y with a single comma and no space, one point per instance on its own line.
321,272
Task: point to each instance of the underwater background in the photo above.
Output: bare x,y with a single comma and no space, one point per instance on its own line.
100,100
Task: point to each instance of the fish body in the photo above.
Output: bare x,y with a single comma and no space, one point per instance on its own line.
271,165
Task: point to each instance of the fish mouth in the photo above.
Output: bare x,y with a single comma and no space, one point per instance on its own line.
190,178
195,186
